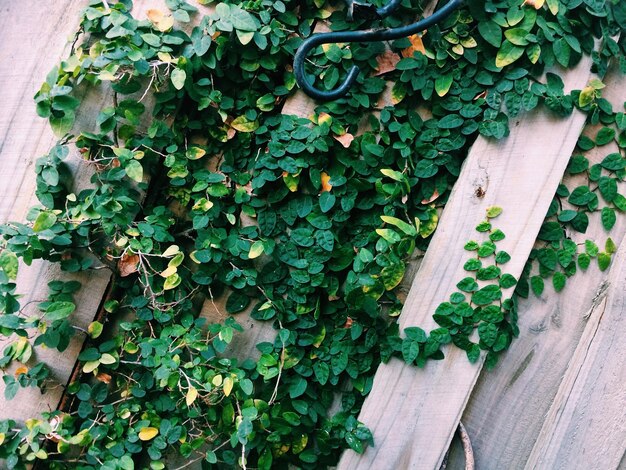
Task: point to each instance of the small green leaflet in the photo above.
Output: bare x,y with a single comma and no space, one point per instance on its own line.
178,78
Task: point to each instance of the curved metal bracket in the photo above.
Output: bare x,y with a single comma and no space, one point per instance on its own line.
370,35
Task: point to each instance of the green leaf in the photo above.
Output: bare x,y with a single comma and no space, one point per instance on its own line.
551,231
517,36
609,246
502,257
401,224
508,53
58,310
558,281
237,302
416,334
537,285
562,51
95,329
472,264
608,218
491,32
488,333
256,249
488,273
471,246
486,249
410,350
591,248
605,135
507,281
9,263
242,20
493,212
44,221
134,170
443,84
451,121
584,260
327,201
392,275
467,285
390,235
487,295
614,162
604,260
178,78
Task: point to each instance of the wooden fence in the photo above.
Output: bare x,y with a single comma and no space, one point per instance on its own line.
556,399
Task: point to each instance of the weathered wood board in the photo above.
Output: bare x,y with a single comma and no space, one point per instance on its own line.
33,40
509,404
412,412
586,425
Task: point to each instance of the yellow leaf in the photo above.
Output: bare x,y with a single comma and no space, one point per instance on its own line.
324,118
162,22
243,124
256,249
168,272
107,359
228,385
416,46
192,394
536,4
194,153
20,370
148,433
326,186
90,366
291,181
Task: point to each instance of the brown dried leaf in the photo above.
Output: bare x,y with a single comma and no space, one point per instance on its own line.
416,46
434,196
102,377
386,62
345,139
128,264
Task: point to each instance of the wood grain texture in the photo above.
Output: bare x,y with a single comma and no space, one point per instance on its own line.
34,38
509,404
586,425
412,412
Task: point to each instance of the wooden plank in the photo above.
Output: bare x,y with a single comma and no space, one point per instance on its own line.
413,412
37,38
586,425
509,404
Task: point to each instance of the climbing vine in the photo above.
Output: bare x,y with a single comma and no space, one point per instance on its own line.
203,190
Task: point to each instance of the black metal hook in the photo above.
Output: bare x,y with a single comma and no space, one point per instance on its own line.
370,35
368,11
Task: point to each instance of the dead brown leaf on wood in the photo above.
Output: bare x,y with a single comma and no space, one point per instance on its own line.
128,264
386,62
345,139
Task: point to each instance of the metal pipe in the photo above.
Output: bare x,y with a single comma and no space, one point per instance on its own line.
370,35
